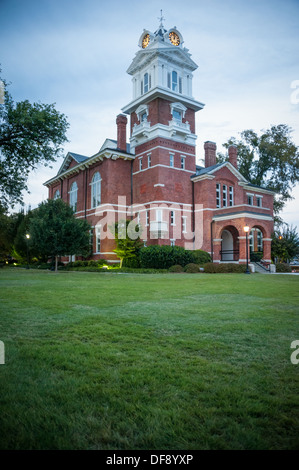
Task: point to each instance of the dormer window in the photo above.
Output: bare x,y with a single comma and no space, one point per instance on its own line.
142,113
178,111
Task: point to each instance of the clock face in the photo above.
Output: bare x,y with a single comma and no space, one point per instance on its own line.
145,41
174,38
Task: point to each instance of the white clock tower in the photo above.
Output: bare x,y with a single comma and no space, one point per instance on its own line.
162,68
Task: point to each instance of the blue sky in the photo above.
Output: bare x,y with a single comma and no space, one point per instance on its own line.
76,53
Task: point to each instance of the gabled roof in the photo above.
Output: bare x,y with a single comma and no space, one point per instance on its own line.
112,144
208,172
202,173
69,157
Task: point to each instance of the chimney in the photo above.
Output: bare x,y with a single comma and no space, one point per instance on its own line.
232,155
210,153
121,122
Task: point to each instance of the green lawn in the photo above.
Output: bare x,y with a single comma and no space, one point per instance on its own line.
165,361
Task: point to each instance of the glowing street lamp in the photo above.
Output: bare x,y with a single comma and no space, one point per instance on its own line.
246,230
27,237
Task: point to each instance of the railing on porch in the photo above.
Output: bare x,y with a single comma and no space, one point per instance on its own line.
229,255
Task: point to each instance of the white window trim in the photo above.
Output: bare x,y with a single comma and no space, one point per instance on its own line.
224,195
93,184
183,162
171,160
184,224
172,216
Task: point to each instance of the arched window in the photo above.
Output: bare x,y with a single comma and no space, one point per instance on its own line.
146,83
96,190
174,81
56,194
74,196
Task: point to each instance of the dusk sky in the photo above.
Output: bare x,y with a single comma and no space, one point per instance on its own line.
76,53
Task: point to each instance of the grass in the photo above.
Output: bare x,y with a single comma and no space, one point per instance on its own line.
164,361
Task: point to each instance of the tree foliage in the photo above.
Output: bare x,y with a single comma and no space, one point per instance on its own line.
285,243
127,239
270,160
55,231
30,134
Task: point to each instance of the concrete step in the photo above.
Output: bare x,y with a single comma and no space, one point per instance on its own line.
259,269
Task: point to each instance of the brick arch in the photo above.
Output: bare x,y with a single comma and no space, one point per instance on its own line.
265,231
234,229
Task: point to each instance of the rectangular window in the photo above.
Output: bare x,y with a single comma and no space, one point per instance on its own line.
184,224
183,163
250,199
172,242
218,200
98,238
150,81
141,87
171,161
177,115
259,201
168,80
172,218
231,196
140,164
147,219
149,161
224,195
159,215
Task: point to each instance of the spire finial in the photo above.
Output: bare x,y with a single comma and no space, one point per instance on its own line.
161,20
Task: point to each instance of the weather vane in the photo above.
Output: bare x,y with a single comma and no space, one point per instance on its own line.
161,20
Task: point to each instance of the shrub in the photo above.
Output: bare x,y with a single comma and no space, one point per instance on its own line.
283,268
224,268
191,268
256,256
176,268
210,267
164,256
201,257
133,262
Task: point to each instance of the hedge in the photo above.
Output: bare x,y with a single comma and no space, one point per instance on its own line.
164,256
224,268
176,268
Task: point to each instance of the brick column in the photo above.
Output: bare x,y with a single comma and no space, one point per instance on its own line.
216,250
242,249
267,249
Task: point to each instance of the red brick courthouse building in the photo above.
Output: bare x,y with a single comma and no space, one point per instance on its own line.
154,179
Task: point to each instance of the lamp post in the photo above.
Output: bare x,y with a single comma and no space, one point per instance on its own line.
27,242
246,230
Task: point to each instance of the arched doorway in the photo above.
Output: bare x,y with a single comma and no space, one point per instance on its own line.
229,245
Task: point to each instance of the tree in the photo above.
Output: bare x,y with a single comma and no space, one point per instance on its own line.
55,231
30,134
285,243
270,160
127,238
